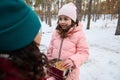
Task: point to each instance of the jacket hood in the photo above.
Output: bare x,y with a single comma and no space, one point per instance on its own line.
76,28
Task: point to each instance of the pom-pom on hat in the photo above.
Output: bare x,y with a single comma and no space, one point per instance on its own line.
68,10
19,25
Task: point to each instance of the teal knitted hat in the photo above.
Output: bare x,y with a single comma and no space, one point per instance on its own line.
19,25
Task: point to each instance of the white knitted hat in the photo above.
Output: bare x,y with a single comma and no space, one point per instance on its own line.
68,10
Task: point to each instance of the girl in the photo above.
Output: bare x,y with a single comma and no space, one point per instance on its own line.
68,42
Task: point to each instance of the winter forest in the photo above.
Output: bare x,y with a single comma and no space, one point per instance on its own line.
86,9
101,25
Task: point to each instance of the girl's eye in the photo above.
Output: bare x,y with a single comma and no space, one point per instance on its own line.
63,19
60,18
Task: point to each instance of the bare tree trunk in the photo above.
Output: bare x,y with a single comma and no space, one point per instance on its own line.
89,14
94,11
97,9
58,4
79,10
42,14
49,13
46,15
118,25
61,3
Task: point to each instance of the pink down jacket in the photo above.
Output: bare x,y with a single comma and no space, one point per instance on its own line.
74,47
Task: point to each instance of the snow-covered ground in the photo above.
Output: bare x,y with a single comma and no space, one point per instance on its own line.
104,58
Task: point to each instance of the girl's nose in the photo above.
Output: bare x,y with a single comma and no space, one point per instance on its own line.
63,21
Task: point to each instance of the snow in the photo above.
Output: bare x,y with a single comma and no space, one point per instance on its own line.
104,59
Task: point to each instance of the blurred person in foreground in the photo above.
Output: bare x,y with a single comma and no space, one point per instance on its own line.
20,57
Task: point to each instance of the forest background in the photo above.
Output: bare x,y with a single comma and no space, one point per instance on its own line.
86,9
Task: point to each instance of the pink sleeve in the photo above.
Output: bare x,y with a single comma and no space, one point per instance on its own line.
82,52
50,48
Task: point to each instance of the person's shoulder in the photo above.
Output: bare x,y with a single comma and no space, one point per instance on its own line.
80,24
78,28
55,33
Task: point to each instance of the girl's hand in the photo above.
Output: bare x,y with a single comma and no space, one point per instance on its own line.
68,63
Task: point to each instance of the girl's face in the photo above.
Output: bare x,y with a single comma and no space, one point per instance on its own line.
64,21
